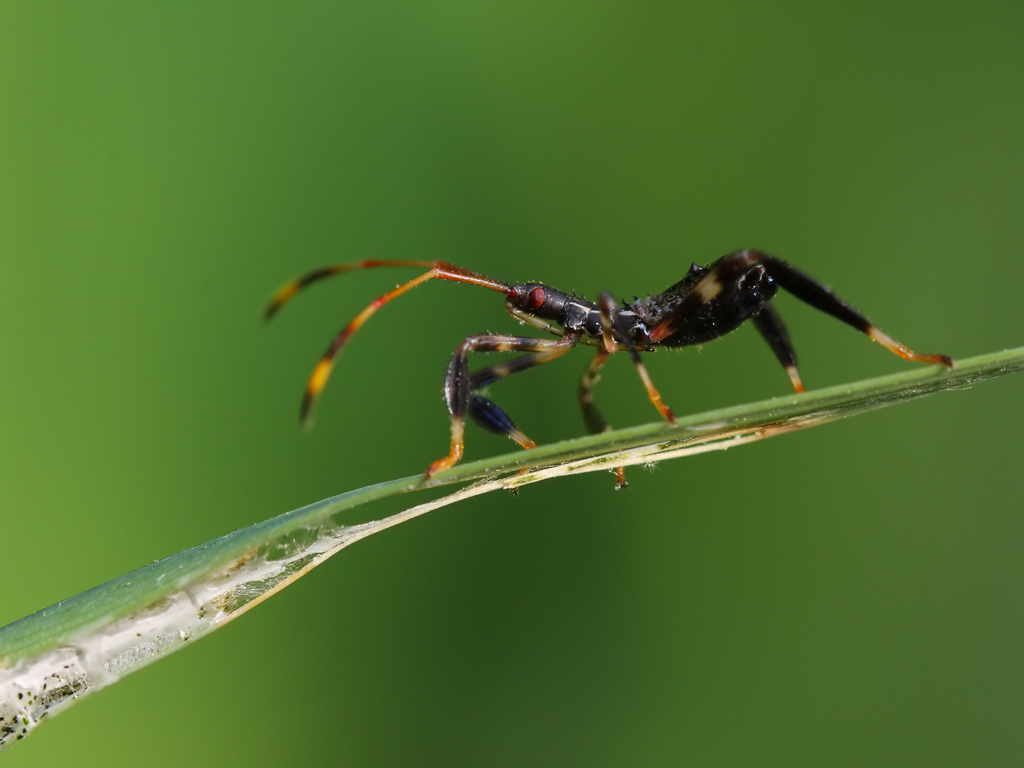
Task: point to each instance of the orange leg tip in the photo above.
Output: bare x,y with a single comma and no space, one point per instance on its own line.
525,442
794,377
446,462
620,479
907,354
939,359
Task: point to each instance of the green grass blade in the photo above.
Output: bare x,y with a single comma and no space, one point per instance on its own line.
84,643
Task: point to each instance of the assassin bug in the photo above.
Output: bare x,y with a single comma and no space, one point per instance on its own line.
706,304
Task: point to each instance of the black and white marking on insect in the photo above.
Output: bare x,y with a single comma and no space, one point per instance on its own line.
559,313
706,304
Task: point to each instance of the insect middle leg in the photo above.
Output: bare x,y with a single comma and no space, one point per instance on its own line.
616,333
592,417
459,385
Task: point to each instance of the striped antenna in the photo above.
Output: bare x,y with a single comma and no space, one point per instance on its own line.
437,269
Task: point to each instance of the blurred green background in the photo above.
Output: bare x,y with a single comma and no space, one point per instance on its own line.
848,595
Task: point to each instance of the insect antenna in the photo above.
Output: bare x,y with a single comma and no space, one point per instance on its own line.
438,269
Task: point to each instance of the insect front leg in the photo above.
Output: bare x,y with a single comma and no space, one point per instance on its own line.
459,385
486,413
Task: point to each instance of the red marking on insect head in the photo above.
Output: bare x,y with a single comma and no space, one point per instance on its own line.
537,297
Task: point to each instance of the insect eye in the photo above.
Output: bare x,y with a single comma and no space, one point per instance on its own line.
537,297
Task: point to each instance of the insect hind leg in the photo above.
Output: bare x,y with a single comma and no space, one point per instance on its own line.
819,296
774,332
